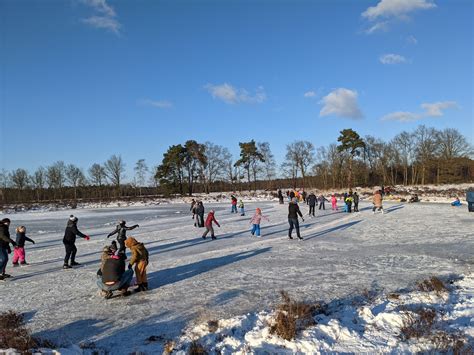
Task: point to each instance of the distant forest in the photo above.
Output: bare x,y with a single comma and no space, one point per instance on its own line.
423,156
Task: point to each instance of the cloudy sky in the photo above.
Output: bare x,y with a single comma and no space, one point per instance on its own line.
84,79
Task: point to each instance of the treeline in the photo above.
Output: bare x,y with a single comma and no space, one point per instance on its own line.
423,156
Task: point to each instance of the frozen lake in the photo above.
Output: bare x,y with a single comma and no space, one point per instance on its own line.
194,279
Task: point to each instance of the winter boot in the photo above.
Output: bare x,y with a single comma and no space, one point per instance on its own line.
108,295
213,238
75,263
24,263
66,266
125,293
145,286
6,276
15,264
139,288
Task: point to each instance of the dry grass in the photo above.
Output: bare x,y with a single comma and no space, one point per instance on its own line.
394,296
455,344
14,334
293,316
196,349
169,347
418,323
213,325
432,284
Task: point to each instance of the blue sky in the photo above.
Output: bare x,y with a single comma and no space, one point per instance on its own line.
84,79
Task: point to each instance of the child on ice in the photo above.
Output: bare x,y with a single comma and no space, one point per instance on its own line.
241,207
140,260
334,202
255,221
209,229
19,251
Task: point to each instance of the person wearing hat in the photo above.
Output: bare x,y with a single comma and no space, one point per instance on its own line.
5,249
69,242
209,229
121,231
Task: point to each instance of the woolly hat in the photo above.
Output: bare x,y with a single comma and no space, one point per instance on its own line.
73,218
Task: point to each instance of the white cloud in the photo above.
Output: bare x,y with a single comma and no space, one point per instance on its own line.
402,116
105,17
412,40
159,104
232,95
435,109
396,8
342,103
392,59
431,110
309,94
388,11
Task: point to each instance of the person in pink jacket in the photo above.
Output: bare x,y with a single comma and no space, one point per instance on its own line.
255,222
334,202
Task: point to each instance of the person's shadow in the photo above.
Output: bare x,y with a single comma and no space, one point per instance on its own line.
179,273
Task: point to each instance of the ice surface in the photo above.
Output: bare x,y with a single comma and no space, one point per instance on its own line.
193,280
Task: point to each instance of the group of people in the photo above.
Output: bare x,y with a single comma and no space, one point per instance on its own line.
18,245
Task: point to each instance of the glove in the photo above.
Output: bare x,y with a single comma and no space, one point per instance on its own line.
87,237
130,266
33,242
302,219
14,243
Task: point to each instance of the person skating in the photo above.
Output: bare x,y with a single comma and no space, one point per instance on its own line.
69,242
242,208
200,214
348,201
5,249
140,260
19,250
121,231
234,204
209,229
322,201
303,195
334,202
293,213
377,201
255,222
355,198
280,197
312,203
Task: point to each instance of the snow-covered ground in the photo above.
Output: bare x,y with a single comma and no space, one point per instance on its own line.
237,278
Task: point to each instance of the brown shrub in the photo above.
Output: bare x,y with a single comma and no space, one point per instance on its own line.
169,347
213,325
293,316
455,344
418,323
196,349
14,334
432,284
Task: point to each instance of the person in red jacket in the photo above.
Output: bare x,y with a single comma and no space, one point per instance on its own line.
210,218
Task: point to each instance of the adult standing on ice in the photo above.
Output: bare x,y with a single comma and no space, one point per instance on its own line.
377,200
312,203
209,229
293,213
280,197
5,242
121,231
200,214
69,242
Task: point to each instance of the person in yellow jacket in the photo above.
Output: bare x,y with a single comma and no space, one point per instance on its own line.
140,260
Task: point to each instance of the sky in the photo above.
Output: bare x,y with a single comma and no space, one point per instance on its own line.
84,79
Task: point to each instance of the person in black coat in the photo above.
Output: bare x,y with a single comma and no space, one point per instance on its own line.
200,215
312,203
322,200
280,197
5,249
355,198
113,276
121,231
293,213
69,242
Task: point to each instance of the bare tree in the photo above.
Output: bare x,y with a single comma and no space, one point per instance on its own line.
269,164
404,143
56,177
140,174
38,179
425,138
215,164
97,175
453,144
75,177
302,152
115,170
